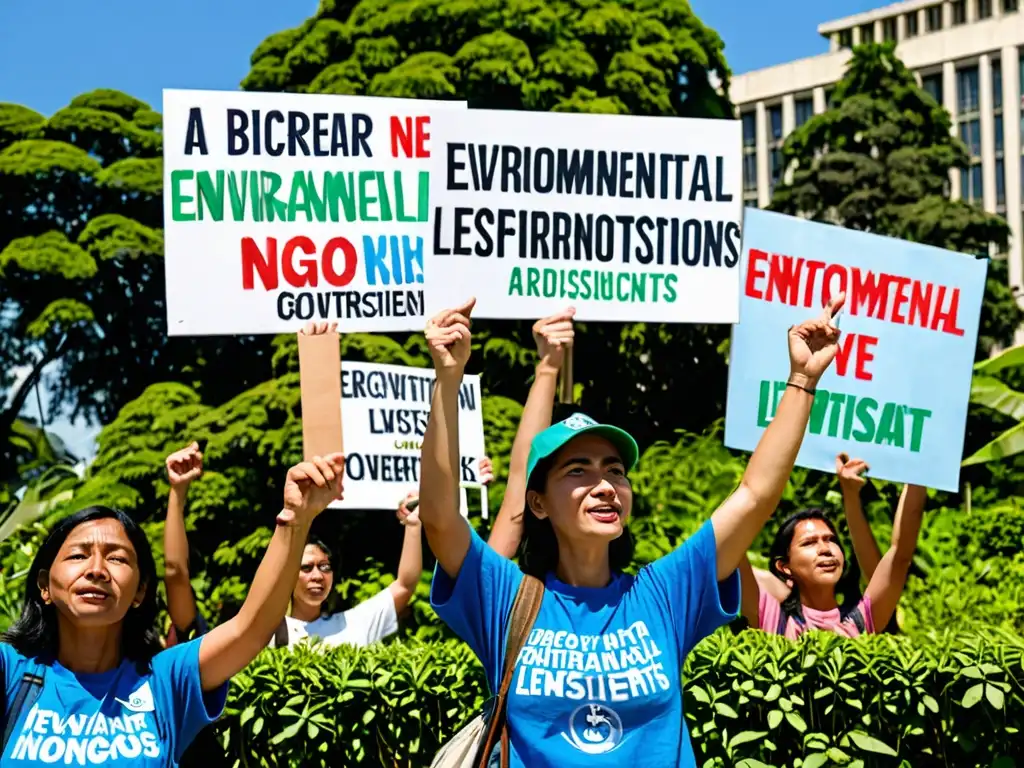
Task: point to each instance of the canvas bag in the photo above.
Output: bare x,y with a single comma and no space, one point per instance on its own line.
471,747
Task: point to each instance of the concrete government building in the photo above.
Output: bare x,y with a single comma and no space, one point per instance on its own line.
966,53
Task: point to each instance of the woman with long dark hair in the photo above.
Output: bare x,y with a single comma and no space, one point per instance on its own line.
807,558
599,673
85,679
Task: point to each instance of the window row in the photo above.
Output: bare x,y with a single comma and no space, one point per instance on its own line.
933,20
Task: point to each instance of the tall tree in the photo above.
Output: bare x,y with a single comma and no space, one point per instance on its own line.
879,160
641,57
81,269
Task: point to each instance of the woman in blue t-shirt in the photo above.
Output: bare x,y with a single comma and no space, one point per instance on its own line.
85,680
598,681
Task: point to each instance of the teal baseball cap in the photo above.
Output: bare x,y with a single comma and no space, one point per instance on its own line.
548,442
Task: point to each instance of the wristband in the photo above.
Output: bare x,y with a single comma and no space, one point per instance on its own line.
798,386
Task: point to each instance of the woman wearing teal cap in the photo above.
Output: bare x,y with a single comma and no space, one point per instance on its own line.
598,679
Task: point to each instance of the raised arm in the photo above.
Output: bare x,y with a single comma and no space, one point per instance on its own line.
812,347
448,338
183,467
229,647
887,583
553,335
851,481
410,565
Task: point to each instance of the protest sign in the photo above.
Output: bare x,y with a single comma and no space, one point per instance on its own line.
281,208
626,218
896,394
384,410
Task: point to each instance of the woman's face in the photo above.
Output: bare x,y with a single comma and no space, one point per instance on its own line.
94,579
315,577
587,492
814,555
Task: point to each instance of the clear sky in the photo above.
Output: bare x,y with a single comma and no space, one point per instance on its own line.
52,50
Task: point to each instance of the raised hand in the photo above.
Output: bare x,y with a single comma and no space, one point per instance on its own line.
850,472
554,335
813,345
405,517
448,338
184,466
486,471
310,486
317,329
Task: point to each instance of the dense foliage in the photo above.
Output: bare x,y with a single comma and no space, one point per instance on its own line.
81,285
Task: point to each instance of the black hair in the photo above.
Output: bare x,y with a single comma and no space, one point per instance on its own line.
780,552
314,541
36,634
538,548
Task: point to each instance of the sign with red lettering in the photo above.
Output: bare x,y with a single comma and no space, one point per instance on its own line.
281,208
897,393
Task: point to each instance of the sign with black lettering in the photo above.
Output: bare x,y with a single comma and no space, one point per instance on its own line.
384,413
281,208
626,218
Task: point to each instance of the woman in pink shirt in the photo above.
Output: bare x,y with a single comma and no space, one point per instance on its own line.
806,557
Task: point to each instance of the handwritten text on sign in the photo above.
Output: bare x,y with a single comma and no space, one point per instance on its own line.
627,218
282,208
384,413
897,392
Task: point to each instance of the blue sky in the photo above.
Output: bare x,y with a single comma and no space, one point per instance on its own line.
52,50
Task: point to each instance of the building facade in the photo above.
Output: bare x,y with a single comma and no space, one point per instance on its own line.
966,53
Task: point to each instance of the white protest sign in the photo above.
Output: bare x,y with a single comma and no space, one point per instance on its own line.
281,208
384,413
626,218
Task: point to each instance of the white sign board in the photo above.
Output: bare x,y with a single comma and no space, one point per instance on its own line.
384,413
626,218
281,208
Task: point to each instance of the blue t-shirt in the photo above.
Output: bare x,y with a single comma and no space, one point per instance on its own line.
598,681
112,718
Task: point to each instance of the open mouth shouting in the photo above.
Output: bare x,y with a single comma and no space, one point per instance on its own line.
604,513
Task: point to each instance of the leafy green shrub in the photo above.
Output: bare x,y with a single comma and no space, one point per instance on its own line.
752,700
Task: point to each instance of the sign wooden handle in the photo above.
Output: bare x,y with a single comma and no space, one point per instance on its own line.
565,384
320,390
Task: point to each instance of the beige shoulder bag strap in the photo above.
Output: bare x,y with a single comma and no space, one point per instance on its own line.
524,613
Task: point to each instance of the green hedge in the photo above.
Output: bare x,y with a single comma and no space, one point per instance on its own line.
751,700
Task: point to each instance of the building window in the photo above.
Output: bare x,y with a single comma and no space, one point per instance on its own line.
933,85
889,30
910,27
1000,183
998,125
749,120
933,18
750,173
776,168
867,33
845,38
1010,6
967,89
775,122
970,134
970,184
804,109
749,129
997,84
959,12
829,92
984,9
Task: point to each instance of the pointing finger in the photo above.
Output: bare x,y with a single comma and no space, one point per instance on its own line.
832,309
467,308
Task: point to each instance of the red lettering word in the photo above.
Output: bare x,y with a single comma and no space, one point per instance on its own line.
803,282
860,348
299,263
403,133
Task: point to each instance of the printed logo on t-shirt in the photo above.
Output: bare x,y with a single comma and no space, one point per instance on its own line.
141,700
83,739
596,670
579,421
594,729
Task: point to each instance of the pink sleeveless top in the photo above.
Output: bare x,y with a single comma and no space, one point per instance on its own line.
770,614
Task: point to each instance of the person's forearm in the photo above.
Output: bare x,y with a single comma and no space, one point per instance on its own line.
508,527
865,548
439,470
772,463
907,524
175,538
410,565
272,587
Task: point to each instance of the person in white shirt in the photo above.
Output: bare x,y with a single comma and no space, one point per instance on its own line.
371,620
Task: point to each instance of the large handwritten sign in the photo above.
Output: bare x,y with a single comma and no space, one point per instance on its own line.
281,208
627,218
384,413
898,390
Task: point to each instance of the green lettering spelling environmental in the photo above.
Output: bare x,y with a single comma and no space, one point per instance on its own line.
300,196
593,285
862,419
